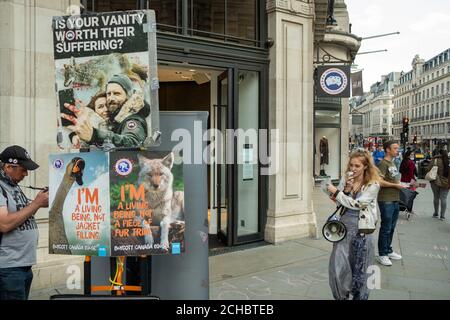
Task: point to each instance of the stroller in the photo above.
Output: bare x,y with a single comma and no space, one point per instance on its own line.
407,196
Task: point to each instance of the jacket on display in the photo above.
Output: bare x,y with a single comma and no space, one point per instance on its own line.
323,147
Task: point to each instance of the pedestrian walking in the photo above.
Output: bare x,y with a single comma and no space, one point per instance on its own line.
408,168
18,228
388,201
378,155
352,256
440,186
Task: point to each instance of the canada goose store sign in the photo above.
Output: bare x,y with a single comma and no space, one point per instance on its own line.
333,81
116,204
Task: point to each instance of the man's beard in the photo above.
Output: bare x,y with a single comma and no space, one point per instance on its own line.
114,109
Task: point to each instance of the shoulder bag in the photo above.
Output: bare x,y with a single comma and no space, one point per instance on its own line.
432,174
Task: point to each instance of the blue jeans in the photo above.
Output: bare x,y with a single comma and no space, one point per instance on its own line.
389,215
15,283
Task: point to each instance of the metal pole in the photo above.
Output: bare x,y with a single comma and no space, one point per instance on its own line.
375,51
185,17
380,35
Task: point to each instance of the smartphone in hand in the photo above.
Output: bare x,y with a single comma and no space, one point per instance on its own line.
66,96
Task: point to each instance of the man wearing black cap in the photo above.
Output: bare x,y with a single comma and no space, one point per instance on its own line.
130,131
18,228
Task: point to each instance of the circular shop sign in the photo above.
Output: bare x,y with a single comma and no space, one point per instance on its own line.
333,81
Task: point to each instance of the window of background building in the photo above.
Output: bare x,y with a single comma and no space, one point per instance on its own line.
229,20
234,18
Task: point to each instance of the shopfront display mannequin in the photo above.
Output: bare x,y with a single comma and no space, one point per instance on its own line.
323,149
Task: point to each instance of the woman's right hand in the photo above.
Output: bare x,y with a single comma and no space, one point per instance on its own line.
348,184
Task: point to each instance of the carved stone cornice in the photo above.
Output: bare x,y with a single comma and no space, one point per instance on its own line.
296,7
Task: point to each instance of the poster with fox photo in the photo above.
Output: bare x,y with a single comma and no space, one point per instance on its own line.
106,80
147,203
79,220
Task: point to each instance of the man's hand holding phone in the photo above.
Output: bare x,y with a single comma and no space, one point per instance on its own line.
81,120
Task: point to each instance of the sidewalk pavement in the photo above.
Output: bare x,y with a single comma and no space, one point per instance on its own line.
298,269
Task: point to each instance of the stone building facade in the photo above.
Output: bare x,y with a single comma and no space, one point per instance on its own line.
296,28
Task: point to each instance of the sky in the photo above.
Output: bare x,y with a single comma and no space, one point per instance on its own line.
423,26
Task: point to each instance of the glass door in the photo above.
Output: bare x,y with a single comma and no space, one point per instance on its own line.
224,222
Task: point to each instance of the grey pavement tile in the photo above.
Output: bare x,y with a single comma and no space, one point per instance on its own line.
320,243
418,285
429,296
386,294
259,259
432,262
427,274
435,248
320,292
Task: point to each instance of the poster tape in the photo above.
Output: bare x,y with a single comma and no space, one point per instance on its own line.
149,27
154,85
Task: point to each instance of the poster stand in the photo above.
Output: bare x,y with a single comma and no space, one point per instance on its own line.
117,267
168,277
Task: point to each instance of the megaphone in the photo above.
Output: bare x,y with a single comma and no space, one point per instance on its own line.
334,230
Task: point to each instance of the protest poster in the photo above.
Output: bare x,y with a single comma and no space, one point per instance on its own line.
79,204
147,203
106,80
119,203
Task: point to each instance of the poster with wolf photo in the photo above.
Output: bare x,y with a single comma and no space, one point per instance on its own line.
147,203
106,80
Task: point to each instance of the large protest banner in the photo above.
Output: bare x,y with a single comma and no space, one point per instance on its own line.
116,204
106,80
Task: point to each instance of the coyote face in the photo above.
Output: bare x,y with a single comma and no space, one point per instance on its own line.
167,206
156,175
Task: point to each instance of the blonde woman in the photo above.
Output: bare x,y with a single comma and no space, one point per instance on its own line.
357,193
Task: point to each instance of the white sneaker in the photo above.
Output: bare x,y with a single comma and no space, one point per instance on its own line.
384,260
394,256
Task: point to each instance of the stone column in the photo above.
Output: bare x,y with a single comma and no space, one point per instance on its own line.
290,214
28,107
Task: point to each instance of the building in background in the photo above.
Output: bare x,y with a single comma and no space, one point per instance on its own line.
250,64
338,46
376,107
423,95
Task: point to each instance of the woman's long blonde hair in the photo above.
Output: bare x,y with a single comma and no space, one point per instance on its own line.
371,173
